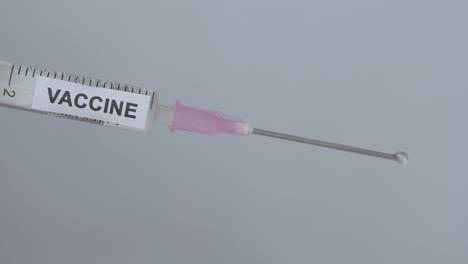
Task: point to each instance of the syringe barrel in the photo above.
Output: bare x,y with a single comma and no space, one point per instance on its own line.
18,84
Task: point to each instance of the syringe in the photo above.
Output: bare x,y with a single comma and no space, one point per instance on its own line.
119,105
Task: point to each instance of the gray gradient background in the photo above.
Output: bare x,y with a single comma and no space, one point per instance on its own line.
388,75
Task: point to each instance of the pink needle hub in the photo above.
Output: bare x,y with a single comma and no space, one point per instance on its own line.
207,122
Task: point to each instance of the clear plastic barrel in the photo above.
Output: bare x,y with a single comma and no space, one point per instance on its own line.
17,84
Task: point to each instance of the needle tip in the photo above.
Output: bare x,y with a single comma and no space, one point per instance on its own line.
401,157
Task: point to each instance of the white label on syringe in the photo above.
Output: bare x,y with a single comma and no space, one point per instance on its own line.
118,107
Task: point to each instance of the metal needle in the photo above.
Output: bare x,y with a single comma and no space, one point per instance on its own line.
401,157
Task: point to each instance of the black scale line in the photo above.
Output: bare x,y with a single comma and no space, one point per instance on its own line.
11,75
152,100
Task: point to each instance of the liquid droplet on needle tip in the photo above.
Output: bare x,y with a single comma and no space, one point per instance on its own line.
402,157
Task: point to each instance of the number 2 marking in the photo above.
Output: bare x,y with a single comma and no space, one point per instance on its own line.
11,94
